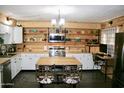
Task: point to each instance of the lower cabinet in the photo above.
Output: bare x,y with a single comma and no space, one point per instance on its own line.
15,65
26,61
86,60
29,61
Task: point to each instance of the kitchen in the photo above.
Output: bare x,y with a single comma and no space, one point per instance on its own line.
51,47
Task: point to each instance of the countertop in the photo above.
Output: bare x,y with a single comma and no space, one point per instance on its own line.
33,52
73,52
2,60
58,61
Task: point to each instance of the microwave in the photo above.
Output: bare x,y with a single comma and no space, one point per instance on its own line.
56,37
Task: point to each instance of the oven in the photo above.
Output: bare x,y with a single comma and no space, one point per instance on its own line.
56,51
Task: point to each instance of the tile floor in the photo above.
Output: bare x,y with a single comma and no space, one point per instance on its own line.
90,79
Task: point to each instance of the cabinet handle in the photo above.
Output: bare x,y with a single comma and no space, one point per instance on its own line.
80,58
20,58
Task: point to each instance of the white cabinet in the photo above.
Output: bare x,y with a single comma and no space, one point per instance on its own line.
17,35
6,33
13,68
4,29
85,59
15,65
29,61
11,35
8,38
18,64
24,62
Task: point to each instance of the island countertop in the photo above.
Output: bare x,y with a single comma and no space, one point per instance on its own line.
58,61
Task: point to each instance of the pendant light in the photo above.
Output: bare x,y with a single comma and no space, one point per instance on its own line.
58,22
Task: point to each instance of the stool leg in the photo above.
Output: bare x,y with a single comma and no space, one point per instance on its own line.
41,85
74,85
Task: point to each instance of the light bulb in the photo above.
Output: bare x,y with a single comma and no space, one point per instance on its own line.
61,21
53,22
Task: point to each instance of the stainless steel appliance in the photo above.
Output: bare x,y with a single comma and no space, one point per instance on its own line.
56,37
118,73
6,74
56,51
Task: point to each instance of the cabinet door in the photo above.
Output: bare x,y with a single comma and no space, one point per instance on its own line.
24,63
4,29
8,38
18,64
17,35
13,68
33,59
15,65
28,62
87,61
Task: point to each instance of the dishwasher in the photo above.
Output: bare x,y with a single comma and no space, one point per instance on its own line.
6,75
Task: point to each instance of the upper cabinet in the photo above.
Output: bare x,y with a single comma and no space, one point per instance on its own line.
11,35
4,29
8,37
17,35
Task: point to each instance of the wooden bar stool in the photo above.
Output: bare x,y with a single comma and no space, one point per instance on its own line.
44,74
72,76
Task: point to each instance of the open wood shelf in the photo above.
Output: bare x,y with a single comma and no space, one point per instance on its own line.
79,38
35,42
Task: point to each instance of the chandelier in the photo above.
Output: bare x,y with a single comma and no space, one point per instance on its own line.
58,22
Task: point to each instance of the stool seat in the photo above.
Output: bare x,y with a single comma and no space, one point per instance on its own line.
72,80
46,81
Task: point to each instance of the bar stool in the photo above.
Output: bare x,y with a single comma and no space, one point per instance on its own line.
44,74
72,76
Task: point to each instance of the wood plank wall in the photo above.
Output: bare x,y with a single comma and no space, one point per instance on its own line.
80,25
119,21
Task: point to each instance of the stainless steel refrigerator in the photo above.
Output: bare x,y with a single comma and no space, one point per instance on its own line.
118,72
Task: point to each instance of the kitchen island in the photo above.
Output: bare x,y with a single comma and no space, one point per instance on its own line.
58,70
58,61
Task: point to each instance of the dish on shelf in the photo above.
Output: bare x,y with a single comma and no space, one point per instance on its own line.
33,30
